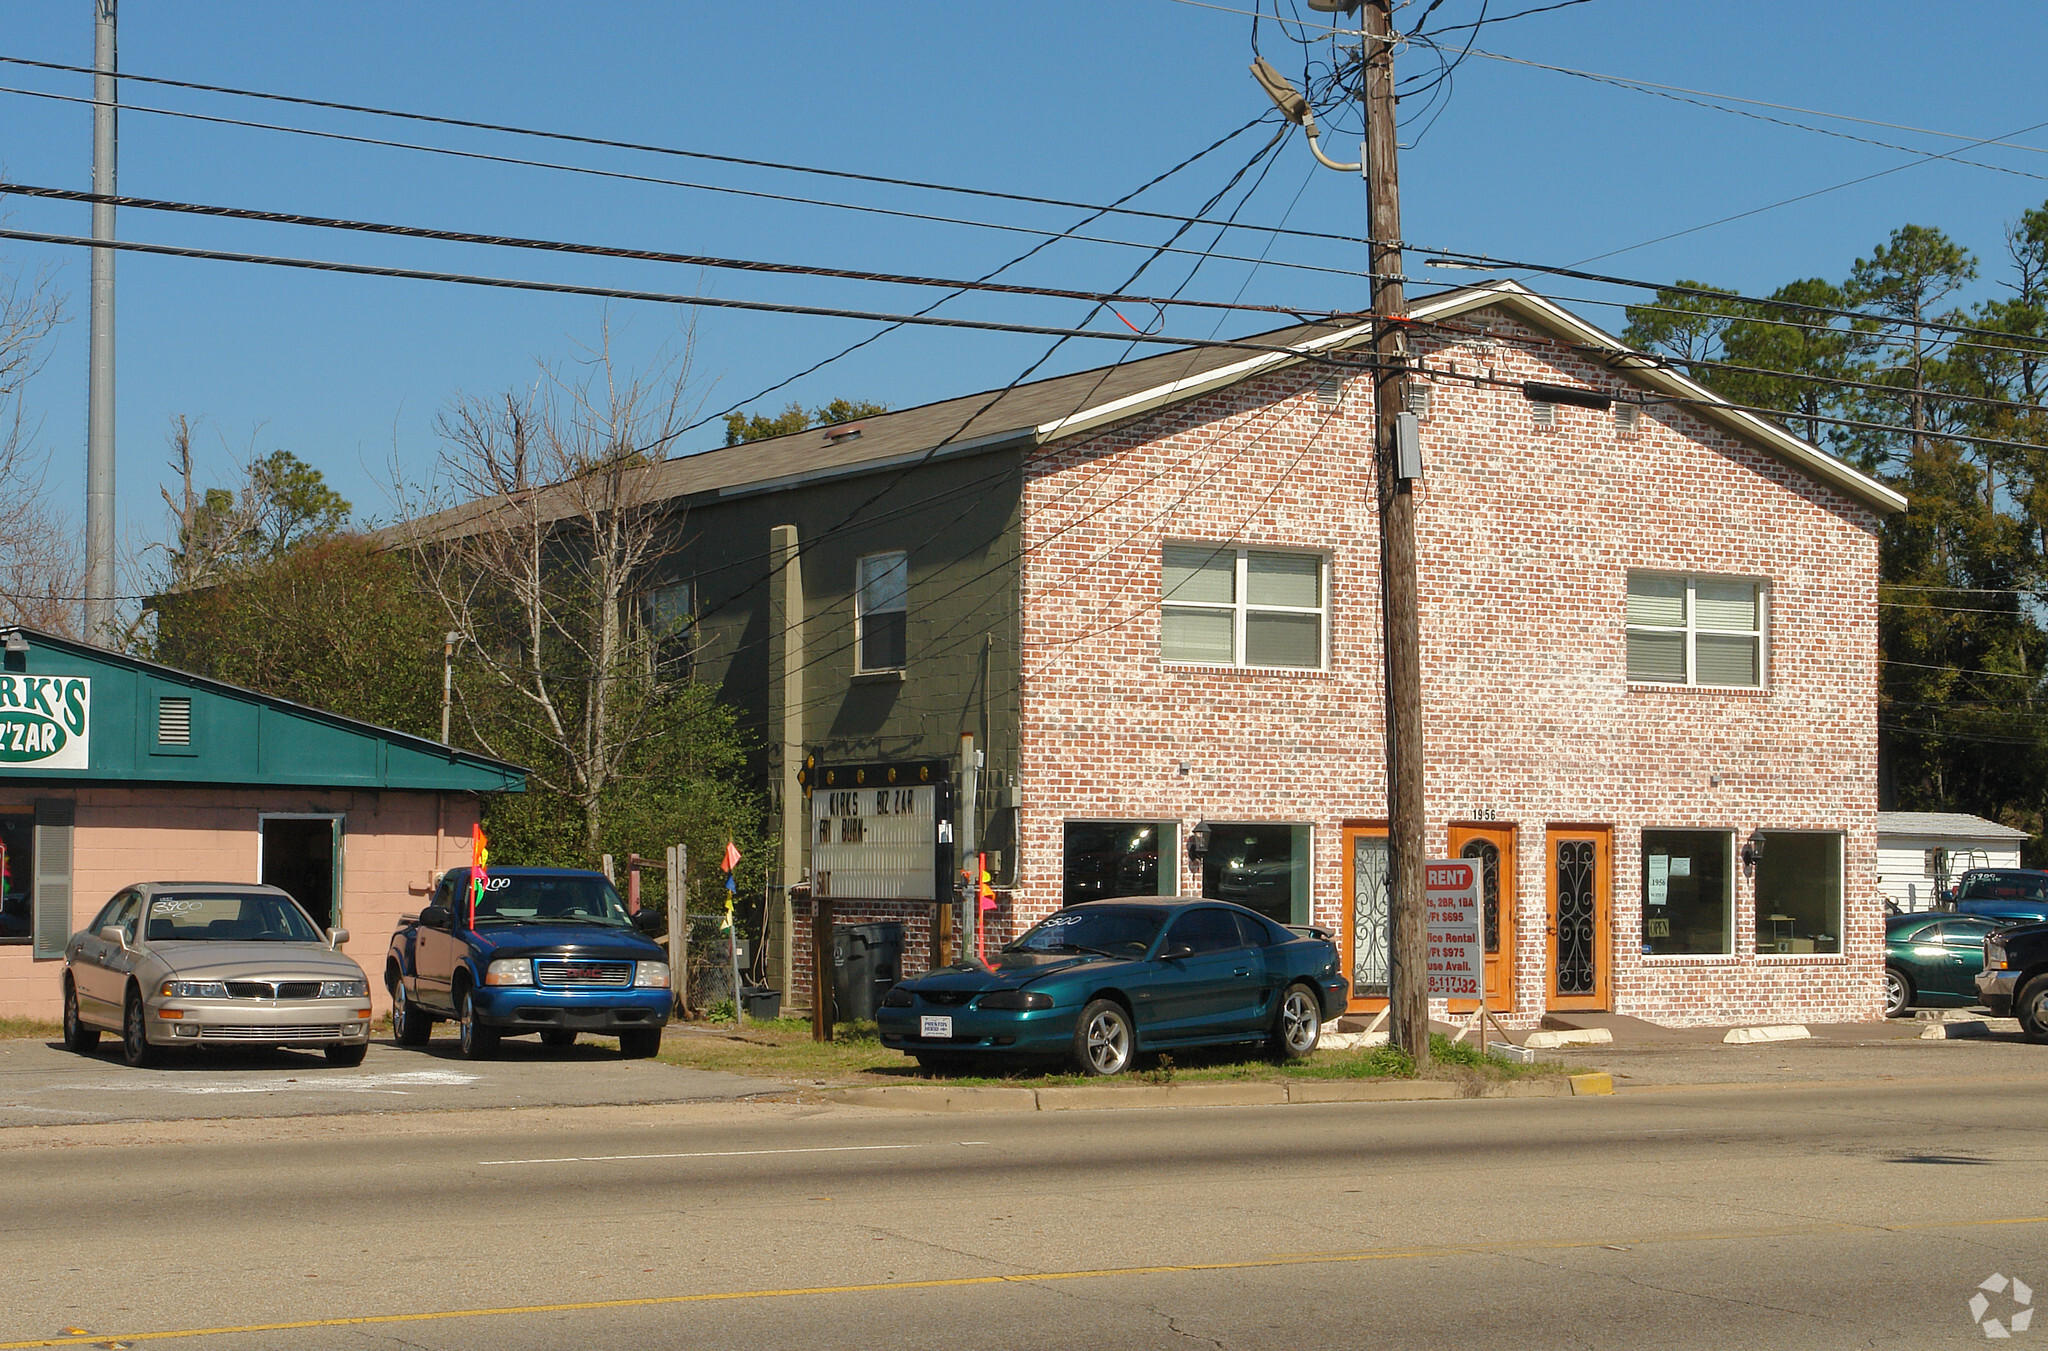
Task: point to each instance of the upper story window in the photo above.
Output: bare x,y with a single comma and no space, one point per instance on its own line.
1225,606
881,612
669,616
1696,630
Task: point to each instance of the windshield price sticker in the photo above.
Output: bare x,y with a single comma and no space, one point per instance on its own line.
936,1025
1457,959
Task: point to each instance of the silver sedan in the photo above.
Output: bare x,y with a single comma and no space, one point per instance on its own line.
212,963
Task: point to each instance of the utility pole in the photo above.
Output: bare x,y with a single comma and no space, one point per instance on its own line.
1408,939
99,412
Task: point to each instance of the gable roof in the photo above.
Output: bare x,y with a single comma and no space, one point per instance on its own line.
1945,826
1053,409
233,736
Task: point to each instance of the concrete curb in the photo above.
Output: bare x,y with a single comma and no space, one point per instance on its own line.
1577,1036
1740,1036
1090,1098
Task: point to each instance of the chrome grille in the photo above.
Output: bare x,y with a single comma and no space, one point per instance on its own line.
578,973
304,1032
274,989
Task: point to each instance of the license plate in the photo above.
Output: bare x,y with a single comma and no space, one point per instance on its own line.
935,1025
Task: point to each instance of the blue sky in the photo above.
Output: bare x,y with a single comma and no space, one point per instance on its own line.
1067,99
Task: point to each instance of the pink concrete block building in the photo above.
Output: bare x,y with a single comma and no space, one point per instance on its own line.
115,771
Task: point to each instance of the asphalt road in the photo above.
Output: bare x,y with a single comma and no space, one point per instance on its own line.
1765,1215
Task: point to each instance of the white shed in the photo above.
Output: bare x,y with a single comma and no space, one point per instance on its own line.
1918,852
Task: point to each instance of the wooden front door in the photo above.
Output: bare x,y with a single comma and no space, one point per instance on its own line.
1578,864
1363,944
1493,846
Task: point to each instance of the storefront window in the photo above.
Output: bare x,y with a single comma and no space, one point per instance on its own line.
1260,867
1688,892
1799,891
17,876
1120,858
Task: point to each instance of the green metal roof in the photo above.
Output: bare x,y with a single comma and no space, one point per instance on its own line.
73,712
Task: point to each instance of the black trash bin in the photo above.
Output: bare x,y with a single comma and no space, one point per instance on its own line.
867,959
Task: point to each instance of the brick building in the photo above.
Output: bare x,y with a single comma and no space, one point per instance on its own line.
1150,594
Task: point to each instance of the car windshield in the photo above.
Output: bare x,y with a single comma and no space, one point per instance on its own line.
215,917
1118,930
526,898
2005,887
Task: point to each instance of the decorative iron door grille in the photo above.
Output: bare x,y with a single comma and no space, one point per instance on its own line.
1488,854
1575,961
1369,908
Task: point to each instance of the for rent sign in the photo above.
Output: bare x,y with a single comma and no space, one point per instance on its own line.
1457,961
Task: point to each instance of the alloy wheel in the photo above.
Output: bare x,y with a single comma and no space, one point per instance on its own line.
1109,1042
1894,992
1300,1021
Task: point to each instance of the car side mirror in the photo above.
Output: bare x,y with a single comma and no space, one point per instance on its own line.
336,937
436,917
1176,952
115,934
650,922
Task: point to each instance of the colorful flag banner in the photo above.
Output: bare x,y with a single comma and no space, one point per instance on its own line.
728,863
479,863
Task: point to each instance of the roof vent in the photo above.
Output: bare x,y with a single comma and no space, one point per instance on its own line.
1627,416
1544,413
174,720
1416,395
834,435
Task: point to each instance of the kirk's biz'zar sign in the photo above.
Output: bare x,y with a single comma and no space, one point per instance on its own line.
45,721
876,831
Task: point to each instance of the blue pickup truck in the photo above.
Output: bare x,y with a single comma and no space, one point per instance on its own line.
546,950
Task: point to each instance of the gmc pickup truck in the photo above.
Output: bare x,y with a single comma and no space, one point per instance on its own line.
2014,981
546,950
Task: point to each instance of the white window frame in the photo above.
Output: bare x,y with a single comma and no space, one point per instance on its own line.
860,611
1691,629
1240,605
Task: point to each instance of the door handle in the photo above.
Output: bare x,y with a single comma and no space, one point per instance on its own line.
1242,971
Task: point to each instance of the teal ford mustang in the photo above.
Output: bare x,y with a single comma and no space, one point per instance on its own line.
1931,959
1103,981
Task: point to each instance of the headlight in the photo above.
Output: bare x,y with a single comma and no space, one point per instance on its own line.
194,989
509,971
897,998
1016,999
344,989
1994,955
650,975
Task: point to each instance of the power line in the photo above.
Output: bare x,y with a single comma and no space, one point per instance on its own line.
571,138
612,251
1736,98
622,293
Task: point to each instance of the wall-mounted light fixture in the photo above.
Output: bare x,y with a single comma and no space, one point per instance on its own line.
1751,852
1198,841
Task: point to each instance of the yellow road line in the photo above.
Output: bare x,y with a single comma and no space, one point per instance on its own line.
1029,1278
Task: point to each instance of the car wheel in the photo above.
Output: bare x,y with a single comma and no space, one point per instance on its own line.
77,1036
1103,1040
639,1043
558,1037
410,1025
347,1055
135,1047
1898,992
2031,1008
478,1041
1298,1023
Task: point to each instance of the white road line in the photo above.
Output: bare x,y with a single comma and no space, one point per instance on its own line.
707,1154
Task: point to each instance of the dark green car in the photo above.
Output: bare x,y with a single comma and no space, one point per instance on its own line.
1931,959
1103,981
